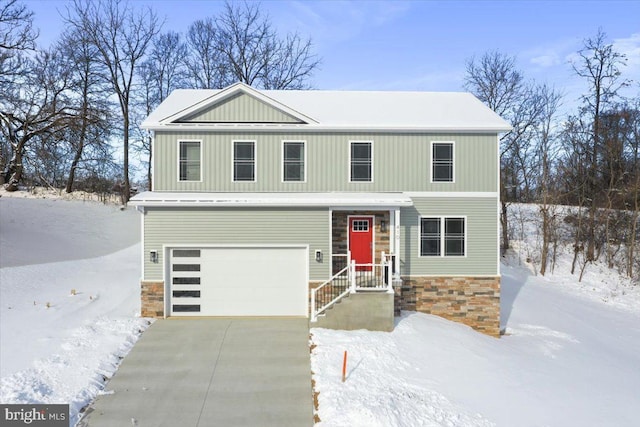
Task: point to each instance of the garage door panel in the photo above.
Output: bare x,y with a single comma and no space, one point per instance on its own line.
254,281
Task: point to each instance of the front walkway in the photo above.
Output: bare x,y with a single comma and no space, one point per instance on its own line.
212,372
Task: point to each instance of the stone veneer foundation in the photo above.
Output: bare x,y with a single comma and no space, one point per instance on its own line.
474,301
151,299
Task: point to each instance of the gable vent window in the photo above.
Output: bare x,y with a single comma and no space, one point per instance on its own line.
244,161
442,164
361,168
189,161
293,161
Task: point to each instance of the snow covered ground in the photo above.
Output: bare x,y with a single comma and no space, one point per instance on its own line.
570,356
65,325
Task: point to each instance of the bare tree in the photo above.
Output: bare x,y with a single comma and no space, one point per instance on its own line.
495,80
162,72
121,37
204,65
90,128
241,45
599,64
16,26
16,35
547,155
35,106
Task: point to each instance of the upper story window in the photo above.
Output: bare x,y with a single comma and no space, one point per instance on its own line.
361,161
442,236
293,161
244,160
442,162
189,161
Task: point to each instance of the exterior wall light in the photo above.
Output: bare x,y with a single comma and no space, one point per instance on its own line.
153,256
318,255
383,226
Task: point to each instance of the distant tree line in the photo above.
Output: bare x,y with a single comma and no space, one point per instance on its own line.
65,109
588,159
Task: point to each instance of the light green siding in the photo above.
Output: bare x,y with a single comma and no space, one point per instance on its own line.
206,226
481,237
241,109
401,162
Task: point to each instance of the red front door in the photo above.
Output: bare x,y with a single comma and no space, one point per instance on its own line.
361,240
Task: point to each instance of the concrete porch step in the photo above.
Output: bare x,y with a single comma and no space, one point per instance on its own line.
369,310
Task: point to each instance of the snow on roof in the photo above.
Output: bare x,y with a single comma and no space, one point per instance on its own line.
168,199
443,111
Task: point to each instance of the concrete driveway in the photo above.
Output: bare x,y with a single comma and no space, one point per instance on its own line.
212,372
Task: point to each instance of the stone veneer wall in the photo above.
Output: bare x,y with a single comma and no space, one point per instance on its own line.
152,299
474,301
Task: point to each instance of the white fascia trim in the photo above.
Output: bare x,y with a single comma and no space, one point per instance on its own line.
279,127
142,242
452,275
452,194
228,92
307,204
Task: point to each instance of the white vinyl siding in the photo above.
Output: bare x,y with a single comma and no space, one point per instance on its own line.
189,161
294,155
442,162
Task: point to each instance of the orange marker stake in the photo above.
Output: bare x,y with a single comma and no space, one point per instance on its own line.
344,366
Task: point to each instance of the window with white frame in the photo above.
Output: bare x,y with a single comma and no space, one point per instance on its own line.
442,162
189,161
244,161
293,159
442,236
361,167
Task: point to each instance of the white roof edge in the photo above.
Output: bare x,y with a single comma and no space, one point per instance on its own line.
313,128
161,199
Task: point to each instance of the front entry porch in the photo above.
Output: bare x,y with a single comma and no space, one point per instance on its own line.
360,292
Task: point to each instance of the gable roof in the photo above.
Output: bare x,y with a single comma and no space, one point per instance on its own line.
337,110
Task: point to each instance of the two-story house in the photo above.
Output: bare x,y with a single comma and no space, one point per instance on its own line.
292,203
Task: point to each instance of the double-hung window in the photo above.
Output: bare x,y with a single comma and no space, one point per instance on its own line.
189,161
361,161
442,236
244,161
293,160
442,162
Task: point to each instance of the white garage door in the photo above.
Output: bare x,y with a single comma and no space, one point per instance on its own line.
255,281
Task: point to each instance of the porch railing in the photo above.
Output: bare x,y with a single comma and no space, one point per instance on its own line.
351,279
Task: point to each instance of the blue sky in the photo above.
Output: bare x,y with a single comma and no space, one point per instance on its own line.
423,45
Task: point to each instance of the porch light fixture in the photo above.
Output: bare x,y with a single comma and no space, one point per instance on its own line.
153,256
383,226
318,255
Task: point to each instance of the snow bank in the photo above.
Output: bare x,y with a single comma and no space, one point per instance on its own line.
35,231
65,326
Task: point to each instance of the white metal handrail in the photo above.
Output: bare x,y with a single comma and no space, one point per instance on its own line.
314,294
379,278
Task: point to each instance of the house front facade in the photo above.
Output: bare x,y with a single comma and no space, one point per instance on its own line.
282,203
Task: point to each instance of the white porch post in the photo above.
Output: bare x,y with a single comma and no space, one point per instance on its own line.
352,275
396,242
